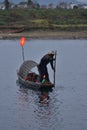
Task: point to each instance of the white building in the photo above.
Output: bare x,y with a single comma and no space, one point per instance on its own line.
2,6
22,5
84,6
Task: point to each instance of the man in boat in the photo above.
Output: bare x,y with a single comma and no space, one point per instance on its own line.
42,67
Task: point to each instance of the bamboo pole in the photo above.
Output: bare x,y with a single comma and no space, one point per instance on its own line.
55,66
23,53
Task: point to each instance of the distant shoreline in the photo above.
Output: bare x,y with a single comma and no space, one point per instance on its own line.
43,34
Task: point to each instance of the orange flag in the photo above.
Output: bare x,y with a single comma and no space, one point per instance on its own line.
22,41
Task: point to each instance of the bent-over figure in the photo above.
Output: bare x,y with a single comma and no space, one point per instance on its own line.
42,67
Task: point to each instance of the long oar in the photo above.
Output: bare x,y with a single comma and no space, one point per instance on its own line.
55,67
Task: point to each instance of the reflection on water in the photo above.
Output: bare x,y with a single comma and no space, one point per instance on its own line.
46,112
44,97
23,94
49,114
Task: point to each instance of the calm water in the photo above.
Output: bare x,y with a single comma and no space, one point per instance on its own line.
66,108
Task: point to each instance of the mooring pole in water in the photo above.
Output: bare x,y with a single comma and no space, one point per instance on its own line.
55,67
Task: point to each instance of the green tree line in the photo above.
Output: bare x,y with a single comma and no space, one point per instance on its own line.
44,18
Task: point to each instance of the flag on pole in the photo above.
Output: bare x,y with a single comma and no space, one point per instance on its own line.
22,41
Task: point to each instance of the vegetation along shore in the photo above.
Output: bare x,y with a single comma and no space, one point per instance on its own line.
43,23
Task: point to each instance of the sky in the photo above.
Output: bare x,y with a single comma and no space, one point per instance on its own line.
85,1
45,1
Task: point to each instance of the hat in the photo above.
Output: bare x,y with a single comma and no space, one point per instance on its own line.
51,52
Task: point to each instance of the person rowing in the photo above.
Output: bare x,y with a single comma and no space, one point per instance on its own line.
42,67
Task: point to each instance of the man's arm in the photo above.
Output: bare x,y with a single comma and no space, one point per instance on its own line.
51,63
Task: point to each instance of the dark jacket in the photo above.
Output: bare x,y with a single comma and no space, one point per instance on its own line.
42,67
48,58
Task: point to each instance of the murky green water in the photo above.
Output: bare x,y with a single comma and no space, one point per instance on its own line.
66,108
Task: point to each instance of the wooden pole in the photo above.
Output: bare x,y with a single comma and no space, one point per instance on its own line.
23,52
55,67
22,42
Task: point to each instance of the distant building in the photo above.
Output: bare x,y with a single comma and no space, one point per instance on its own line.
64,5
72,6
83,6
51,6
43,6
11,6
29,6
2,6
22,5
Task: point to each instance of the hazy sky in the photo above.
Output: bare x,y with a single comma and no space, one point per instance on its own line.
83,1
42,1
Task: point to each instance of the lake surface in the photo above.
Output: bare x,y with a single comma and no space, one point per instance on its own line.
66,107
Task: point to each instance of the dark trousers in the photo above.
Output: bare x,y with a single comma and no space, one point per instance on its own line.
43,71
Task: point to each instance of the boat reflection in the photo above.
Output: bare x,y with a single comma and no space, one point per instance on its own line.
23,96
44,96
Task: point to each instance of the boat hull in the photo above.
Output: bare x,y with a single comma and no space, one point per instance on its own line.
34,85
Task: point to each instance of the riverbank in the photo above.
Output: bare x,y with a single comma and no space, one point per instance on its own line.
43,34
